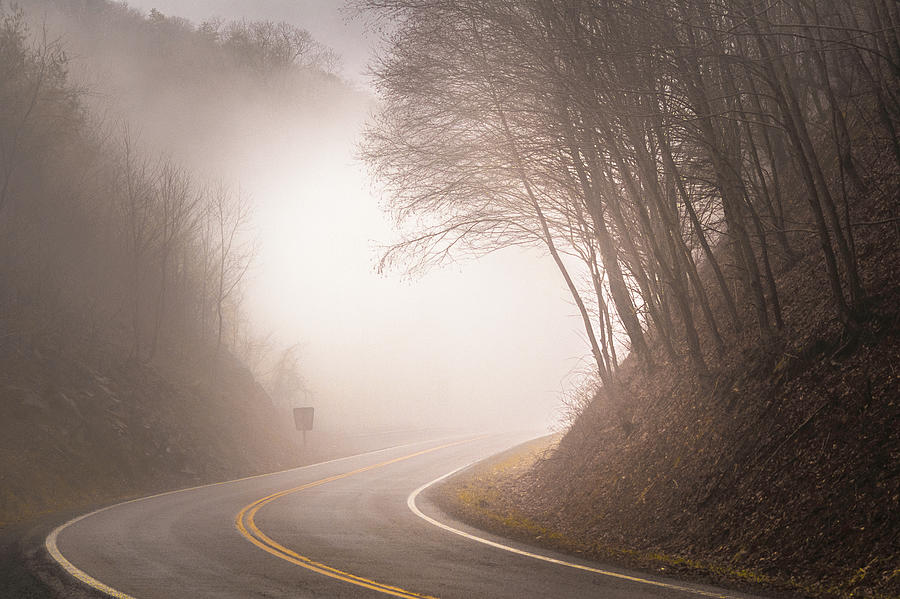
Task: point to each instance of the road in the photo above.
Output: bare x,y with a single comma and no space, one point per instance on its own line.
352,527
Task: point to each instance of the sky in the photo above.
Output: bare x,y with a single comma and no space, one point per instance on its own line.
490,342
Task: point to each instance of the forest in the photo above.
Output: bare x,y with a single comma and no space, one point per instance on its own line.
127,359
717,184
644,144
140,237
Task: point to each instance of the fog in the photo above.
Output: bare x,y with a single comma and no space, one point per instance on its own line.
484,343
329,21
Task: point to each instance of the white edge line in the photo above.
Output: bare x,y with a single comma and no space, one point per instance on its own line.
411,503
53,549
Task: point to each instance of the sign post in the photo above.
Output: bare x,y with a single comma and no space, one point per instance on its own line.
303,420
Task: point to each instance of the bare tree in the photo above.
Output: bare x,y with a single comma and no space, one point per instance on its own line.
134,188
649,140
36,101
233,252
175,214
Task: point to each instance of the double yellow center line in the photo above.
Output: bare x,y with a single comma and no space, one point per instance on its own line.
246,525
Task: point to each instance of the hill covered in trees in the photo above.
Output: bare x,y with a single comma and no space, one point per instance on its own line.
717,183
124,242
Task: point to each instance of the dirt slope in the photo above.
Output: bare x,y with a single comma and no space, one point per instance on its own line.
81,424
784,472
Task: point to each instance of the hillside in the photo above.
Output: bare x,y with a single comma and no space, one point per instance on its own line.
124,347
717,185
784,473
81,426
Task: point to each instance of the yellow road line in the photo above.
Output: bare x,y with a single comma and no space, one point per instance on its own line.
246,525
411,503
53,549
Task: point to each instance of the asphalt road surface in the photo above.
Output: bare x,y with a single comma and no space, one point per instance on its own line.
353,527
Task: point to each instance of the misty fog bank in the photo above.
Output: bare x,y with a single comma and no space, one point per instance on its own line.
487,343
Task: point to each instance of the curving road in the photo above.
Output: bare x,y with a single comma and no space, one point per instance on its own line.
353,527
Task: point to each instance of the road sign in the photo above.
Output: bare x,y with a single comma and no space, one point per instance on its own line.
303,418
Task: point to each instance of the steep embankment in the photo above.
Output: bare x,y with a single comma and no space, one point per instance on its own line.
121,262
81,424
784,472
